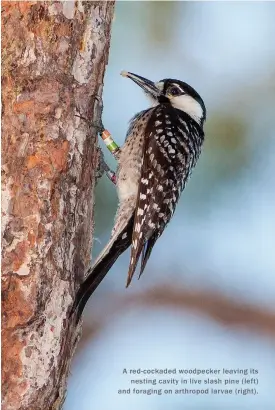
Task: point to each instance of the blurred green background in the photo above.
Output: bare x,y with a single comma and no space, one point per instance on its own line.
221,238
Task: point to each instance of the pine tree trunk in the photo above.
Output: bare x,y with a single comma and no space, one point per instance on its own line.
53,61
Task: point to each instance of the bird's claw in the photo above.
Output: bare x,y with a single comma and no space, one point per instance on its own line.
104,168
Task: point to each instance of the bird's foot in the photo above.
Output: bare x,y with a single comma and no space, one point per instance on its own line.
104,168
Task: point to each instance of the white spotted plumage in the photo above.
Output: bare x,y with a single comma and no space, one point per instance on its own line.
165,170
162,146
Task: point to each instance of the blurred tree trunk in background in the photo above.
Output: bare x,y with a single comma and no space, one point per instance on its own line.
53,61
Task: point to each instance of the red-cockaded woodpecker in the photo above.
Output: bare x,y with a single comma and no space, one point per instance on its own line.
162,146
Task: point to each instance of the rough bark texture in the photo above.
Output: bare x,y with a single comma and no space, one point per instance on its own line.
53,61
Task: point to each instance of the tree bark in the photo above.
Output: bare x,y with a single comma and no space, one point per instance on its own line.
53,61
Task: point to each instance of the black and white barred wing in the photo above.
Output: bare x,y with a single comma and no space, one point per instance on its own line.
164,172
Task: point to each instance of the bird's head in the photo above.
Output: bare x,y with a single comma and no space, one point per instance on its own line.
169,91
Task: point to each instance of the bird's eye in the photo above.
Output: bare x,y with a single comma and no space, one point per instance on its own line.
174,91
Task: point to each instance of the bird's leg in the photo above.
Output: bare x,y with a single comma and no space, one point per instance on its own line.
112,147
104,133
104,167
109,142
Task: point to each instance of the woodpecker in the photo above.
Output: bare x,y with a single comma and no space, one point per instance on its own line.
162,146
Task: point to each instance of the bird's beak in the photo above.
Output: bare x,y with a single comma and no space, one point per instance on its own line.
148,86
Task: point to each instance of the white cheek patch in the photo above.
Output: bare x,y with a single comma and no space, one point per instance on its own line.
188,105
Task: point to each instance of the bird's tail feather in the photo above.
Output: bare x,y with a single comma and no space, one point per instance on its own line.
118,243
